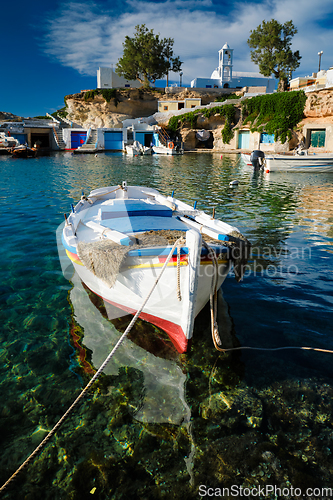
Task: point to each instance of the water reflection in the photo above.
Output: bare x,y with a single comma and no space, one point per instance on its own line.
158,421
163,381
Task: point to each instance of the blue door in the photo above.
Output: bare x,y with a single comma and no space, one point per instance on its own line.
267,138
145,138
78,139
22,138
113,140
244,139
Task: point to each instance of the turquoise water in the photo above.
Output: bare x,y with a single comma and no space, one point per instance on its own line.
159,425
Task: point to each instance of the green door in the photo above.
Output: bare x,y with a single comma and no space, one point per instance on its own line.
244,139
317,138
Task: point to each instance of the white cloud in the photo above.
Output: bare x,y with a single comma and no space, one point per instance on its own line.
84,38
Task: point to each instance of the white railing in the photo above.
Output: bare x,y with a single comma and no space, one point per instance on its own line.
53,118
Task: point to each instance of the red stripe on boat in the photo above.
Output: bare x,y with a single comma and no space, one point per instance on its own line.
73,255
174,331
183,258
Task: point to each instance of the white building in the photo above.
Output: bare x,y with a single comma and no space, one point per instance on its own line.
317,81
224,76
108,79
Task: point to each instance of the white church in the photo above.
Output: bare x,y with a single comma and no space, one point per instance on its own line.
225,77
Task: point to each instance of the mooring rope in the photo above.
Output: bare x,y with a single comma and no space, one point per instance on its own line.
179,295
214,326
213,296
94,378
306,348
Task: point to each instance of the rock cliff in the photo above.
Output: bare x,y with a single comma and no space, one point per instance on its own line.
135,103
319,104
132,103
97,112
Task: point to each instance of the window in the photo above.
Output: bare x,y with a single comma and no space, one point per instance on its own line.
208,86
165,108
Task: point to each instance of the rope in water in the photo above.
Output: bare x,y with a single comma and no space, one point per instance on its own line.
284,348
94,378
214,326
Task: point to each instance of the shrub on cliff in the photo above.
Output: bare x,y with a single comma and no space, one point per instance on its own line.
275,113
228,111
108,94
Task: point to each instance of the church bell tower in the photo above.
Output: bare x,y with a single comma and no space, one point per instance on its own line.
225,65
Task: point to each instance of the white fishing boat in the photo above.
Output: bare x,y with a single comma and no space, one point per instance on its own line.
138,149
170,149
120,237
299,162
7,141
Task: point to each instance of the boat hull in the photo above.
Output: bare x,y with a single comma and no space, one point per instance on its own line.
315,163
121,238
164,309
138,149
245,157
162,150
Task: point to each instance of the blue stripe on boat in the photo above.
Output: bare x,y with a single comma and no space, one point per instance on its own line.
68,247
154,251
136,213
142,224
134,207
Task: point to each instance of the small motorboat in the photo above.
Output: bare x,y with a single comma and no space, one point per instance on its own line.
138,149
119,237
171,149
7,141
23,151
301,161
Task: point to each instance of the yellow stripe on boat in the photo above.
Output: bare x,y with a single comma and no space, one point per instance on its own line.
74,258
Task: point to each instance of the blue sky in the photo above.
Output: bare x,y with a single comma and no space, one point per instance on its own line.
53,49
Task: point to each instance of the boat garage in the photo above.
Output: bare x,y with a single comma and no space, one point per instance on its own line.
113,140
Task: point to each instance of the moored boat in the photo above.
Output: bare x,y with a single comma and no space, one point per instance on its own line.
23,152
120,237
303,162
171,149
246,158
7,141
138,149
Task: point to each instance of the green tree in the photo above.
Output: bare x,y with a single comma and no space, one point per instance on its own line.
272,52
146,57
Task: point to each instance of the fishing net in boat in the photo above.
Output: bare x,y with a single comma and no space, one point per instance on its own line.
104,258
